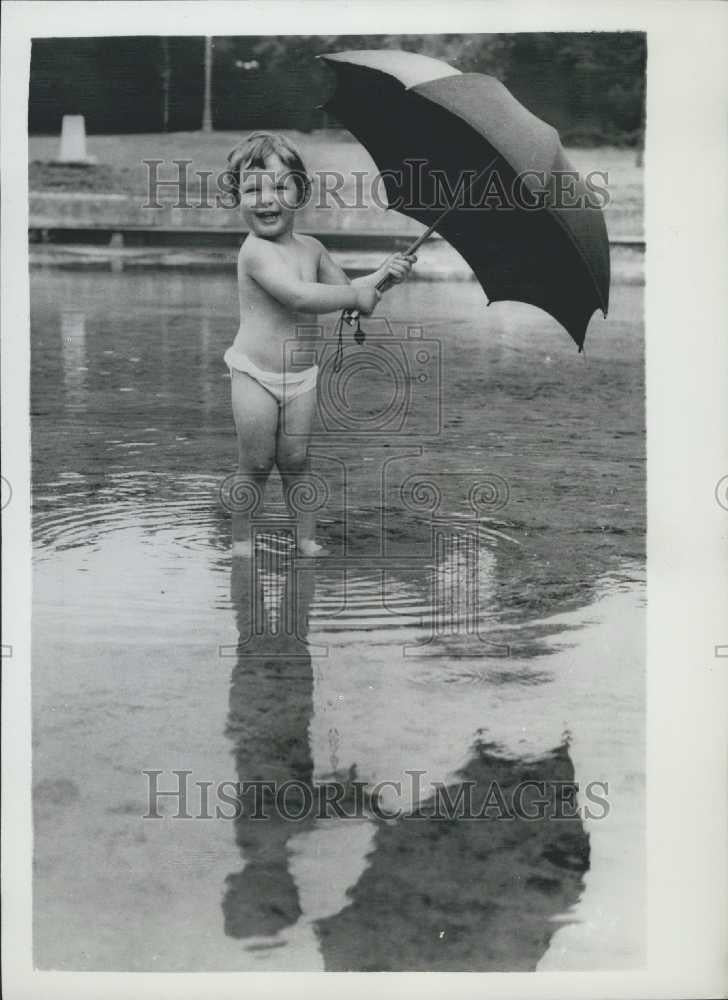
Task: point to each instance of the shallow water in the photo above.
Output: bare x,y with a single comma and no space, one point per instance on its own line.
480,620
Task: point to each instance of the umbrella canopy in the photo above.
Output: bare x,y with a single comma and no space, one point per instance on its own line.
439,137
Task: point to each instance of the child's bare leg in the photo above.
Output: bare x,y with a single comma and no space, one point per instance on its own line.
255,413
294,432
297,489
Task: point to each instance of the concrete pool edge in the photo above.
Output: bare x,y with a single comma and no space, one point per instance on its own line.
437,262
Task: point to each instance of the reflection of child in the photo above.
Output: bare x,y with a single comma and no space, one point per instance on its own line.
283,278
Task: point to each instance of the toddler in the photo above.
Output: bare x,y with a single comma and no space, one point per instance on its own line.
284,279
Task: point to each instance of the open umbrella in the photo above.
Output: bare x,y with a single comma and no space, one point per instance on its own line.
461,155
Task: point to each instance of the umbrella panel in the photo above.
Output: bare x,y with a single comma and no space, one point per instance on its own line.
553,258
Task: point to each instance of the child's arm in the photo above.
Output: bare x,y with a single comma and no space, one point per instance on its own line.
396,267
265,266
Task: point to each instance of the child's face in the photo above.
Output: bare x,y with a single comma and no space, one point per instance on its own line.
268,199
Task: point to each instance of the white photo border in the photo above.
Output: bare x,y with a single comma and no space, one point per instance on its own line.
686,225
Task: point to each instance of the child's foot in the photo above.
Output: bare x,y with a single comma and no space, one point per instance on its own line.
243,550
308,547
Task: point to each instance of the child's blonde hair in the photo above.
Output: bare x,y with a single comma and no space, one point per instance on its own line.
252,152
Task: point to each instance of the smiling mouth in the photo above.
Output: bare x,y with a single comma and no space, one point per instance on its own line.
268,216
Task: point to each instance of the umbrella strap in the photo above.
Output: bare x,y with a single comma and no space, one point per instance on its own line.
346,317
339,333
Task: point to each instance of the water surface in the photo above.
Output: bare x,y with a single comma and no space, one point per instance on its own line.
480,620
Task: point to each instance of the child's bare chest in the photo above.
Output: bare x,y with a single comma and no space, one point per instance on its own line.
302,261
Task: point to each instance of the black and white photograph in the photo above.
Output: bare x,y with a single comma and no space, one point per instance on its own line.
338,577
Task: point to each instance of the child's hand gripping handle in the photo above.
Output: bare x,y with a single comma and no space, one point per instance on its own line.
352,315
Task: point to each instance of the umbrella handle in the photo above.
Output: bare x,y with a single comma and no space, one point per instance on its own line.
352,315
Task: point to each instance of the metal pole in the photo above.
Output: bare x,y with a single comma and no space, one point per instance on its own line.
166,74
207,102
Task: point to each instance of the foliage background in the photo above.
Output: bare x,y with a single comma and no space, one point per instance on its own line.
591,87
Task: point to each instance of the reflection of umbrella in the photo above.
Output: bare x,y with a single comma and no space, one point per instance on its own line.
482,159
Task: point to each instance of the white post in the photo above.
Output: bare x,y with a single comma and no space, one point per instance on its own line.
73,141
